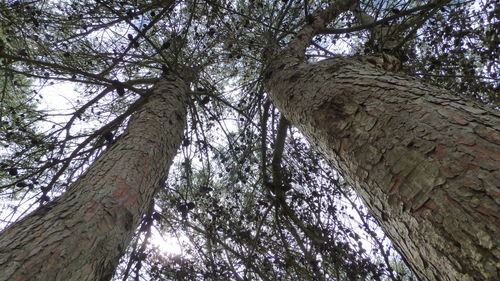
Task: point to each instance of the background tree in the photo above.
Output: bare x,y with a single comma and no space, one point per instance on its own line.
18,115
252,198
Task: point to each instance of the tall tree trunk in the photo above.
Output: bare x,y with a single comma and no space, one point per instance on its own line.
425,162
82,234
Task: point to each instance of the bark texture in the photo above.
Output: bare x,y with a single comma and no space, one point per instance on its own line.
425,162
82,234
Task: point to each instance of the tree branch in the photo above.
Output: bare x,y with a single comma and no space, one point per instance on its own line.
367,25
279,146
304,37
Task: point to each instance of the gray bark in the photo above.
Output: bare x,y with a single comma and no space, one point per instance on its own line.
425,162
82,234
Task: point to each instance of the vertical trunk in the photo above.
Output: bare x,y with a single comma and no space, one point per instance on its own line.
425,162
83,233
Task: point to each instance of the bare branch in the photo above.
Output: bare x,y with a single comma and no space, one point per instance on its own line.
304,37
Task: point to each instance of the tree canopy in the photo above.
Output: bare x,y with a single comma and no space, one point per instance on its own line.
248,195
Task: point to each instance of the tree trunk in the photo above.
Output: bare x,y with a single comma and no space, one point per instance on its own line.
82,234
425,162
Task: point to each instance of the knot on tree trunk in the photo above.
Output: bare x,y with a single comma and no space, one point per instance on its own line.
383,61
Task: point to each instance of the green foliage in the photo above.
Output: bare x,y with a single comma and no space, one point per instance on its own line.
21,140
459,48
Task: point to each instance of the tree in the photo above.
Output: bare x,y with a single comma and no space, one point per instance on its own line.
82,234
247,191
18,115
424,162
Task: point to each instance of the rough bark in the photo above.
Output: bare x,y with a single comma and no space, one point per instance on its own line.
82,234
425,162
